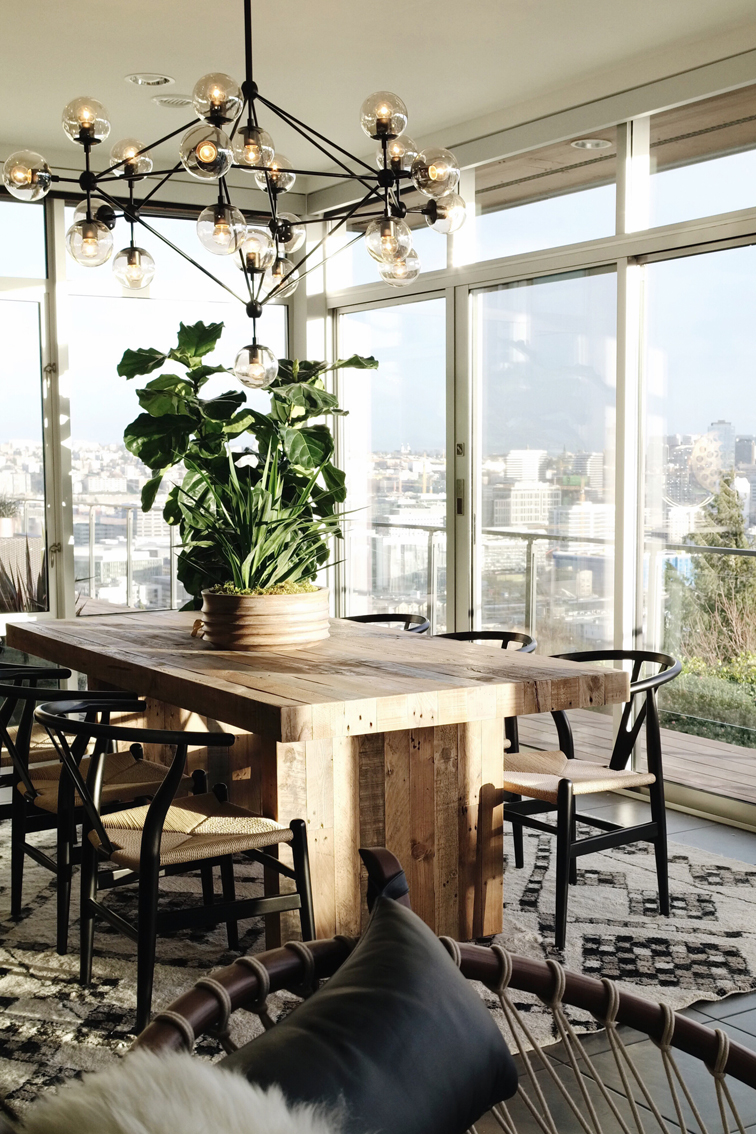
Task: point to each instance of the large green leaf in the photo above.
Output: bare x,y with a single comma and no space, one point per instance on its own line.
141,361
196,340
150,490
200,374
309,447
168,394
159,441
224,406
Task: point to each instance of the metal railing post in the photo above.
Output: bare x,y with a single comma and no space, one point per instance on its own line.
530,586
433,595
92,533
129,562
172,568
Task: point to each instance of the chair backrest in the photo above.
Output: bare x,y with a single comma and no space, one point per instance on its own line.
506,637
24,692
59,718
633,715
414,623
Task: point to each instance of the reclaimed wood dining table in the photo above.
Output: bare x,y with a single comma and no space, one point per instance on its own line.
376,737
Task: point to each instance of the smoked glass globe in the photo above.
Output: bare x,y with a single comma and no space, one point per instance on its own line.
278,173
400,154
383,115
253,147
256,366
401,272
100,209
89,242
86,120
217,98
281,269
388,239
258,250
127,152
26,176
449,215
435,171
134,268
290,231
222,229
206,153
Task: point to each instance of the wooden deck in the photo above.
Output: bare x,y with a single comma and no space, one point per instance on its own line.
694,761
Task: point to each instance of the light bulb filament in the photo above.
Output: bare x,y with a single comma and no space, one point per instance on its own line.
438,172
207,152
21,175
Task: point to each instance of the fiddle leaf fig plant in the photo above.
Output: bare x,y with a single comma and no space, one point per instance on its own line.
259,495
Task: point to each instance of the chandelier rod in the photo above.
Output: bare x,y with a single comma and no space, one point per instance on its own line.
194,263
287,117
320,244
146,149
268,183
248,47
160,184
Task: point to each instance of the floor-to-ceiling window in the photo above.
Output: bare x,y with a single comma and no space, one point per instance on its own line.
544,364
394,453
699,564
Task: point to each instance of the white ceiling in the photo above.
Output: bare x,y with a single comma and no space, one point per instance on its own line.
452,63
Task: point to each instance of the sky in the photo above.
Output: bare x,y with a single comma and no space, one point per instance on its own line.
701,352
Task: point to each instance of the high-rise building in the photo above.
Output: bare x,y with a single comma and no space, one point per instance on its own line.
725,435
745,450
524,464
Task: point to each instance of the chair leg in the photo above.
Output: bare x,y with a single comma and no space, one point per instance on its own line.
659,815
573,840
63,879
18,832
301,858
517,833
565,823
87,916
208,887
229,895
146,943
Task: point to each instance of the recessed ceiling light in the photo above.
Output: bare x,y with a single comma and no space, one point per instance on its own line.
173,101
148,79
591,144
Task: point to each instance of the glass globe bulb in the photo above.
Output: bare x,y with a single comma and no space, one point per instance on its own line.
101,211
450,214
253,147
89,242
26,176
400,154
383,115
222,229
258,250
435,172
217,98
134,163
277,172
401,272
290,232
134,268
256,366
388,239
86,120
206,153
281,268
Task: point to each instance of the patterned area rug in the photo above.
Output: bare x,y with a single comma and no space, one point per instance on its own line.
51,1029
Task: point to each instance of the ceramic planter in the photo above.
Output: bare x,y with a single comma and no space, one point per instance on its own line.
264,622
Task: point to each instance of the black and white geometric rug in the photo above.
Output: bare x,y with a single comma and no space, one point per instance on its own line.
51,1029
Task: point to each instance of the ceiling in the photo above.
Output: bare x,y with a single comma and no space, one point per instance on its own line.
450,62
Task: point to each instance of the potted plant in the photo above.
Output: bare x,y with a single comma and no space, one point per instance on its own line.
256,520
8,513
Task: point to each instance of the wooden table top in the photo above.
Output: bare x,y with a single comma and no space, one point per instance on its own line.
363,679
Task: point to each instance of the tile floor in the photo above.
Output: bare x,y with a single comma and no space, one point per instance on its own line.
735,1015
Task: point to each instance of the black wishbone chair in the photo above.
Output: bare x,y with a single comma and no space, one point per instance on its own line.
552,780
413,623
168,836
44,798
36,743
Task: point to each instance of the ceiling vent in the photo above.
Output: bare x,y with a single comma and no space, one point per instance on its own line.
149,79
173,101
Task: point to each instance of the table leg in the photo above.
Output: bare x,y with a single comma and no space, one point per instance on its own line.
416,792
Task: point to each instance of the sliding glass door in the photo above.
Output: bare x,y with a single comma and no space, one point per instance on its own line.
394,454
544,372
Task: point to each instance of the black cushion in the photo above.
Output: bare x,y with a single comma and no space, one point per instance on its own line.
398,1036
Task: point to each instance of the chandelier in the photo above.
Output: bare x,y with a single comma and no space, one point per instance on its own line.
226,135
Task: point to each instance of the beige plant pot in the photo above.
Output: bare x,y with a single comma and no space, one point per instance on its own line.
264,622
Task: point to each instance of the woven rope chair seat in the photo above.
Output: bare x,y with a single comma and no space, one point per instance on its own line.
41,749
537,774
198,827
123,778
